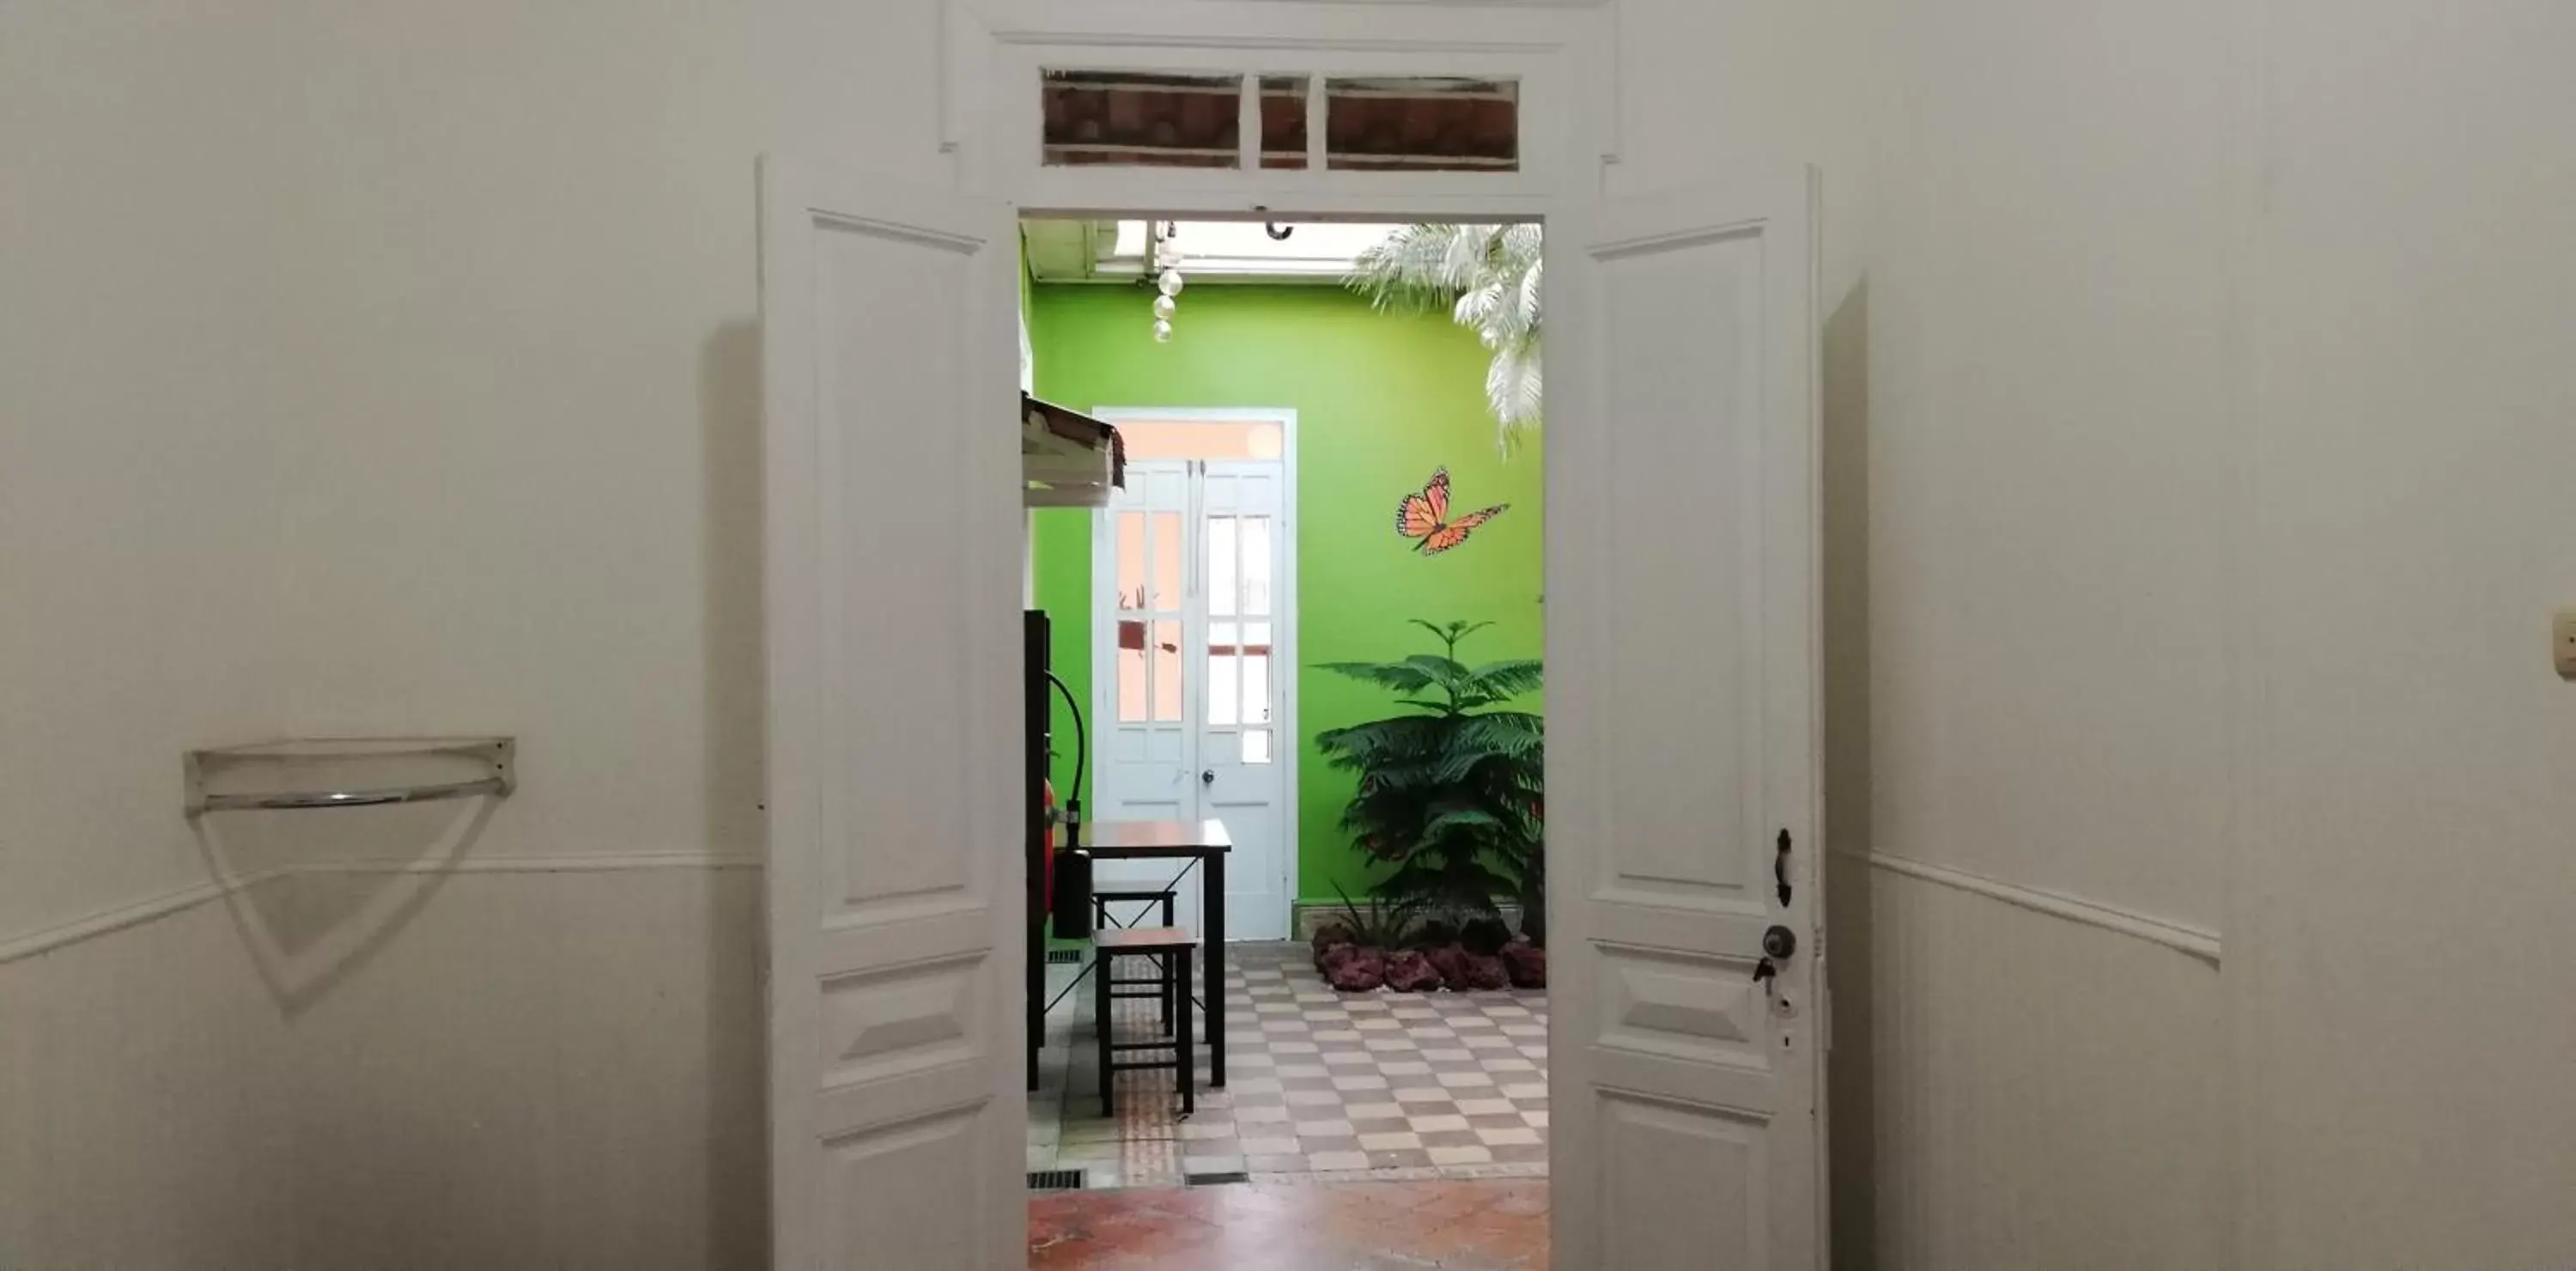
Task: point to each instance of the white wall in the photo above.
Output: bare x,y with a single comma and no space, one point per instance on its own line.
2215,450
2412,1045
385,368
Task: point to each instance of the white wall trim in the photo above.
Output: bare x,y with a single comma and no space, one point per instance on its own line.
109,921
2181,937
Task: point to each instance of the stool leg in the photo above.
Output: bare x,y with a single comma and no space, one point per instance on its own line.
1165,962
1185,1061
1101,963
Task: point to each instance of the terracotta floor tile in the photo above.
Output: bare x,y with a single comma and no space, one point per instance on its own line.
1497,1225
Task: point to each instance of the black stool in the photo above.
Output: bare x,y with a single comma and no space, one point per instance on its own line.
1160,982
1176,948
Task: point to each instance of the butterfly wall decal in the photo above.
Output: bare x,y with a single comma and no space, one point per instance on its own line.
1425,519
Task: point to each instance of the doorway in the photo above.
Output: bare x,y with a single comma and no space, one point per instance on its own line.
1194,636
1685,1068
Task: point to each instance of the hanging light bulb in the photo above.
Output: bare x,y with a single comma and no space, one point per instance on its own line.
1167,282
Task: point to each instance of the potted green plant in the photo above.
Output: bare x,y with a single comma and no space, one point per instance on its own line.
1449,795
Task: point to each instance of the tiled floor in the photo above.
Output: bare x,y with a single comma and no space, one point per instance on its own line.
1487,1225
1322,1086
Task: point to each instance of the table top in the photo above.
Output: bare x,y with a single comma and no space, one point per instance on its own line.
1156,838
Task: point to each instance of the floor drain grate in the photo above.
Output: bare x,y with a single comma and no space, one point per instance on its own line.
1055,1180
1064,957
1210,1180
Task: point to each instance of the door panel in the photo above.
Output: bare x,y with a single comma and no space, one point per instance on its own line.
895,911
1243,547
1682,717
1190,686
1147,753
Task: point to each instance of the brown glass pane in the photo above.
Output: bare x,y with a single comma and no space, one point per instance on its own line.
1164,121
1283,121
1422,124
1131,672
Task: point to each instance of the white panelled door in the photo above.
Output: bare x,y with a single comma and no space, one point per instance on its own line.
1188,638
895,896
1144,734
1242,745
1682,728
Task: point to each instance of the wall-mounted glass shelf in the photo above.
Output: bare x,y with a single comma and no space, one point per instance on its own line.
349,772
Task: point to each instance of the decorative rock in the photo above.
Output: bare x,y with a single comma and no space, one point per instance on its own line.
1451,962
1481,973
1352,969
1331,936
1525,964
1411,972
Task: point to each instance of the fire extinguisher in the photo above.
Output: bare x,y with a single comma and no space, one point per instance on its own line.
1048,801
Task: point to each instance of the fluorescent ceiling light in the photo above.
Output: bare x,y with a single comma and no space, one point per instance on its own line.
1240,248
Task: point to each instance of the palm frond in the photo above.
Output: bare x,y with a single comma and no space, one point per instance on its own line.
1509,678
1399,677
1490,278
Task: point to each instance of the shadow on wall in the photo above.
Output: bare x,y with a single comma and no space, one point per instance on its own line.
736,758
310,914
1850,1088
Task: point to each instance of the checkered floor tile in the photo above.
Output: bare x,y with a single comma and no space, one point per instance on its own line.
1321,1085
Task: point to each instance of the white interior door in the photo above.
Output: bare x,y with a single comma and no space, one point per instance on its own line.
895,894
1243,744
1143,729
1682,730
1189,563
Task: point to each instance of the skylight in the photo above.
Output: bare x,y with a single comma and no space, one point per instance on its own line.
1245,248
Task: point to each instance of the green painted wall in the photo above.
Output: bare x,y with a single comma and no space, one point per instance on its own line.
1381,400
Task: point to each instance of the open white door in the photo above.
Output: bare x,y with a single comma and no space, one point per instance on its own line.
895,891
1682,732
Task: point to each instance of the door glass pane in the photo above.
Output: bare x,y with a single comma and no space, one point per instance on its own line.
1200,439
1422,124
1131,672
1256,565
1167,672
1220,558
1131,563
1256,745
1283,121
1167,560
1165,121
1256,689
1221,689
1256,637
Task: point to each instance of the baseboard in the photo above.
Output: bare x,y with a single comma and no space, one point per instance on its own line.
1305,917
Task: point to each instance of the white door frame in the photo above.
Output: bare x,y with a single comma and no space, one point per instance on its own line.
1561,57
1285,638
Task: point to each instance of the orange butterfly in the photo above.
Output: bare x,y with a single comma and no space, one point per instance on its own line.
1425,517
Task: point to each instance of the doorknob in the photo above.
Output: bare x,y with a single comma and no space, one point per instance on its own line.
1208,778
1778,942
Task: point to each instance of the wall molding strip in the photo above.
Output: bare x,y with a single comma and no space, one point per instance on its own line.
122,917
2183,938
